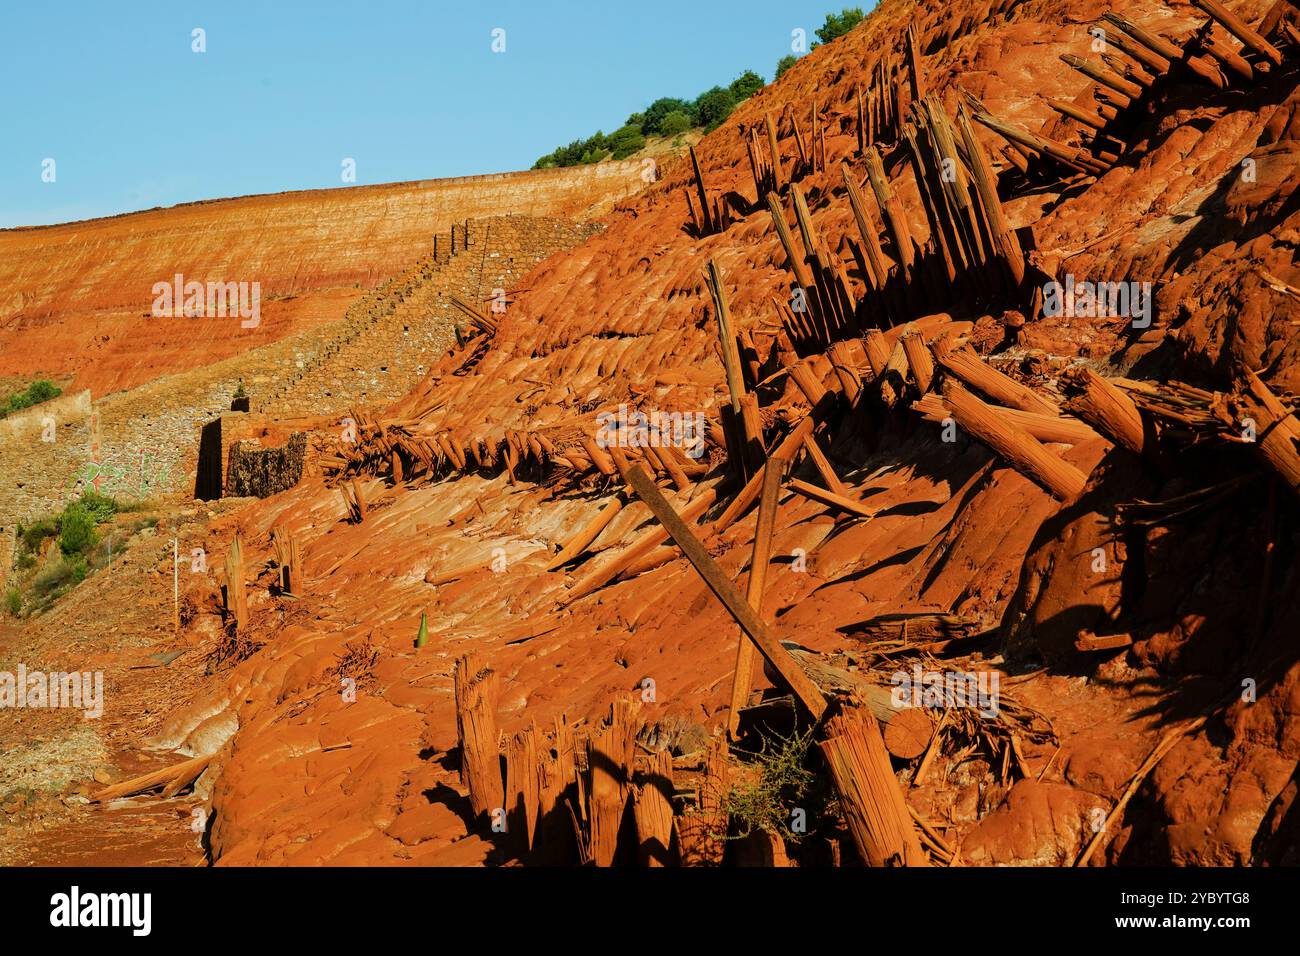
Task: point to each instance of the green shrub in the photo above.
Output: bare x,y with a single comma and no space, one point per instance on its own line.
784,784
784,64
714,106
101,507
34,535
626,141
13,602
58,579
838,24
76,529
41,390
746,85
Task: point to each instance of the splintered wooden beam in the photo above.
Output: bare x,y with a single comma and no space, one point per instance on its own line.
652,808
1021,450
972,370
637,550
1073,157
1105,407
919,360
773,151
1238,28
587,534
867,229
873,803
726,337
523,779
236,594
743,679
899,229
726,592
1004,237
477,689
830,499
1151,61
1276,427
802,277
1120,85
1091,120
609,767
1046,428
786,449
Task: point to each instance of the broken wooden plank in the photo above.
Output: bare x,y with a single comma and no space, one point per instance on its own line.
1017,446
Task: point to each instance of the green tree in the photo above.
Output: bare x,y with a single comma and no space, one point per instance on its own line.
784,64
675,123
838,24
714,106
653,117
746,85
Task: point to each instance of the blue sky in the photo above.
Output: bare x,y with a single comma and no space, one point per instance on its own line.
133,118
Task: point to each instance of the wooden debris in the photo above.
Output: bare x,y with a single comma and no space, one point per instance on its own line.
171,780
972,370
609,769
1016,445
1105,407
1275,427
478,688
522,793
236,593
652,809
870,796
288,558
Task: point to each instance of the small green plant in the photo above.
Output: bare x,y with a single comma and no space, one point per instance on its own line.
239,390
57,580
101,507
784,64
784,785
14,602
34,534
76,529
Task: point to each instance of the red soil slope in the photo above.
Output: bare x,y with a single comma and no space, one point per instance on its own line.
302,774
76,299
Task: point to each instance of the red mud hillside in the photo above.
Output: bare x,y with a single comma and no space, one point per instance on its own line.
76,299
483,609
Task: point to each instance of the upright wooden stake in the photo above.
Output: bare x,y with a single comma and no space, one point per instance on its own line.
478,688
743,679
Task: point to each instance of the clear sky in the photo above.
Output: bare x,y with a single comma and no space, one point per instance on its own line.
134,118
